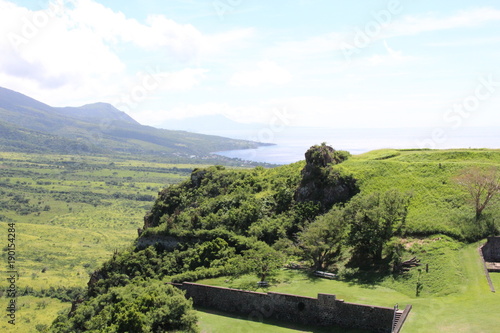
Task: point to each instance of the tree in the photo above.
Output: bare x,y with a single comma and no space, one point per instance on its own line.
148,306
263,260
374,219
482,184
322,241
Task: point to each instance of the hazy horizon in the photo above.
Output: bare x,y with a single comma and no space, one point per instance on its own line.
291,144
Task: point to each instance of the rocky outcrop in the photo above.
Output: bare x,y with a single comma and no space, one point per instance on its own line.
320,182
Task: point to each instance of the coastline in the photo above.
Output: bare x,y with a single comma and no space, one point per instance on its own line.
291,144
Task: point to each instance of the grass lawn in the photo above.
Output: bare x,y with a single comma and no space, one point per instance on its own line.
214,322
471,308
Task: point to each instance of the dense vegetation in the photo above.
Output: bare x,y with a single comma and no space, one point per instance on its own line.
331,211
358,216
71,213
138,307
327,213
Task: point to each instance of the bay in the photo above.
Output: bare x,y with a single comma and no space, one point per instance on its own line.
290,144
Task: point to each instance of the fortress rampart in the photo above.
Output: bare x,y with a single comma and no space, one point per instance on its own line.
325,310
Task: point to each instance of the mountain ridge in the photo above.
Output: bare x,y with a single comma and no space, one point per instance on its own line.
98,127
96,111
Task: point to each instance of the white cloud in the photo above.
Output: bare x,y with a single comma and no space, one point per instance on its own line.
467,42
73,52
181,41
359,110
267,72
327,44
182,80
183,111
44,50
214,45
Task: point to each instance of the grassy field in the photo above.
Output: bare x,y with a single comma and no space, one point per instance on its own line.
213,322
34,314
461,300
70,214
438,205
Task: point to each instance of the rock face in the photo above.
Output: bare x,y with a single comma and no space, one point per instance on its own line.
322,156
320,182
175,198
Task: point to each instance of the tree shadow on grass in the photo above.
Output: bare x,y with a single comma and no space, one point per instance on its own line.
252,324
252,284
366,273
306,274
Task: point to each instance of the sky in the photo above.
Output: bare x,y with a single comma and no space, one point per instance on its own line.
314,63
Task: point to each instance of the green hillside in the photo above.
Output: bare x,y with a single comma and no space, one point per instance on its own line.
34,127
15,139
438,204
233,227
358,216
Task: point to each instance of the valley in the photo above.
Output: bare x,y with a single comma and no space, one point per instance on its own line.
71,213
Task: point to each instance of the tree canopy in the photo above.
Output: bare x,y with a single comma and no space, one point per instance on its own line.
374,219
323,240
143,307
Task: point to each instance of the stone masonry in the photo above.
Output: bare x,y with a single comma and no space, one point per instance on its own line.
325,310
491,254
491,250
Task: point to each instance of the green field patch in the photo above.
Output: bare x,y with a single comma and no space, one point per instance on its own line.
33,314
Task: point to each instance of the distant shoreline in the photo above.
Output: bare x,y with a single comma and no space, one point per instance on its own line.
290,145
245,155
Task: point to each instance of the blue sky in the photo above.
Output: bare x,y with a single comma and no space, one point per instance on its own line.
317,63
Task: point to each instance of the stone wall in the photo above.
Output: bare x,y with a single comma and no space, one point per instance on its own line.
325,310
491,250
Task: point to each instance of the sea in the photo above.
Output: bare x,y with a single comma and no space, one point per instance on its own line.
290,144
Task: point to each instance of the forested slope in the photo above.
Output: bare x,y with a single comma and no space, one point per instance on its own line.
331,211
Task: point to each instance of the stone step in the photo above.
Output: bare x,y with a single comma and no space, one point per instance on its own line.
397,316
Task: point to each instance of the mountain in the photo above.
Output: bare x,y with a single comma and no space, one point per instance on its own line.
31,126
97,112
24,140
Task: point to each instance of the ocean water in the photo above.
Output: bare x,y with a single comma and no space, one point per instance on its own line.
290,144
